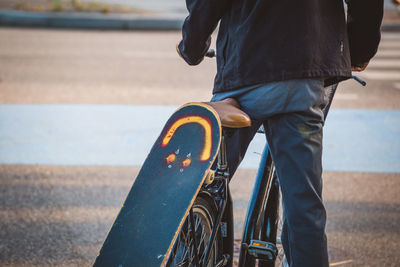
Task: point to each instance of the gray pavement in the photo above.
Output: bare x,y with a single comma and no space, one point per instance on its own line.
94,67
58,215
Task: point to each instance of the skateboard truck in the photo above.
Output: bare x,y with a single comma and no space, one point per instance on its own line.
210,177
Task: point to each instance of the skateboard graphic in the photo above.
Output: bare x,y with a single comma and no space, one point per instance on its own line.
164,190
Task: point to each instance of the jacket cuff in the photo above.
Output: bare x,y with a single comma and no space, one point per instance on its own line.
195,54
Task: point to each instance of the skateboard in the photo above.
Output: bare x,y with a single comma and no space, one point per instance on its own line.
155,209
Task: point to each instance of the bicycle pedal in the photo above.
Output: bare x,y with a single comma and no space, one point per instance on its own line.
262,250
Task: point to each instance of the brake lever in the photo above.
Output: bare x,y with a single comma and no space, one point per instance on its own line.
211,53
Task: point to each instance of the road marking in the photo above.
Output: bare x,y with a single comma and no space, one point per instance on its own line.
342,96
390,36
120,183
381,75
384,63
388,53
340,263
119,135
389,44
122,135
151,55
71,214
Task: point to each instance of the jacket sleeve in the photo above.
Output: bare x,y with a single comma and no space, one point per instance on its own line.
198,27
364,18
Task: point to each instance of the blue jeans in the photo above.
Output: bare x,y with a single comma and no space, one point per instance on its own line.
291,112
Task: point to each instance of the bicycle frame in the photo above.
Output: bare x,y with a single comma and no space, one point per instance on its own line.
262,214
262,217
219,191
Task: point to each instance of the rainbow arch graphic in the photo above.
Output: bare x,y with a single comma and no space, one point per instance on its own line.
203,121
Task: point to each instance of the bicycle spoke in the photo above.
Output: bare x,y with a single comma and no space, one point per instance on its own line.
184,252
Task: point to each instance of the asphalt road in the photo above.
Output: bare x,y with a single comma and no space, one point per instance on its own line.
80,67
59,215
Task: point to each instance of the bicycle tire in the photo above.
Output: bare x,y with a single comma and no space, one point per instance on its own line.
277,241
281,253
204,213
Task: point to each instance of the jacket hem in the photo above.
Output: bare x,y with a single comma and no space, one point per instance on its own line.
230,85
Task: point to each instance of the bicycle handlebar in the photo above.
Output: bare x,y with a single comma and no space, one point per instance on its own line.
211,53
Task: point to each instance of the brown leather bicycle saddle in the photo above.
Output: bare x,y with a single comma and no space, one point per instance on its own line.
230,113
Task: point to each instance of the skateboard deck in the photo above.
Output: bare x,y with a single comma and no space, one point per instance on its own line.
164,190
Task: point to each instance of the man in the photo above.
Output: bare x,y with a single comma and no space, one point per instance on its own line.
274,58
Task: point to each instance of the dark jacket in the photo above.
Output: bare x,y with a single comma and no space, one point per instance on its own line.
261,41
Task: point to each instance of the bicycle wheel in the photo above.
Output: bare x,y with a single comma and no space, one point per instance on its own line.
274,221
182,254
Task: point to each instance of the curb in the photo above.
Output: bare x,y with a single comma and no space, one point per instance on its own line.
87,21
15,18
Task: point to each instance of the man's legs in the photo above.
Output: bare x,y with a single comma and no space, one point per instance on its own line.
295,140
296,147
293,116
236,145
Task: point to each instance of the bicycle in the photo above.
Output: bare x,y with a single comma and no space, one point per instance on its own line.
207,234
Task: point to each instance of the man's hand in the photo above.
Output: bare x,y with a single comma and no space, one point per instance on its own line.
360,67
179,51
191,56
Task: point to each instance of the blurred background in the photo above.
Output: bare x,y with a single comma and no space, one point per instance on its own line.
86,87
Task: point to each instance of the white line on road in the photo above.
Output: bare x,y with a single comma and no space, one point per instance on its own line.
385,63
340,263
82,214
389,44
389,53
346,96
122,135
381,75
390,36
151,54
